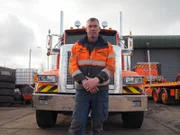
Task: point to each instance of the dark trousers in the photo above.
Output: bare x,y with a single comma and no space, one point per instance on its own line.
84,102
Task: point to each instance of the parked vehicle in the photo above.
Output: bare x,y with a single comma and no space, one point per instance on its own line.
54,91
156,86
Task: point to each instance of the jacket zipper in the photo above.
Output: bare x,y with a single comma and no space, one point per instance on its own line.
90,58
89,64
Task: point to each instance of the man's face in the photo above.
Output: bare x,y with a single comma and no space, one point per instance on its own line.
92,29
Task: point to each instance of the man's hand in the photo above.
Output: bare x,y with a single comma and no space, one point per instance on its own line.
91,84
94,90
84,82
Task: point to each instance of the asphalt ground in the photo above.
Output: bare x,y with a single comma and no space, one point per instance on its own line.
159,120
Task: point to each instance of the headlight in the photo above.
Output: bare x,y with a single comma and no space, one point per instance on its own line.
47,78
133,80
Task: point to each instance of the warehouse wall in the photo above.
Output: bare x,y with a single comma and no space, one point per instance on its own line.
168,58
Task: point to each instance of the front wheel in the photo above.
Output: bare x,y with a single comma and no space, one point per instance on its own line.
46,119
132,119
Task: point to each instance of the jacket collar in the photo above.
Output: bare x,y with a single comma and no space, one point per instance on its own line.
101,43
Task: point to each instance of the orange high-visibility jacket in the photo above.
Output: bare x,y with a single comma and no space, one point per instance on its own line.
100,62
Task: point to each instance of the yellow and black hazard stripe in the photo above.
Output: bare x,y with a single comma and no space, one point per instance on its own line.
48,88
134,90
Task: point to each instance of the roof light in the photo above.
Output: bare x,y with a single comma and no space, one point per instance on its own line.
77,24
104,24
130,33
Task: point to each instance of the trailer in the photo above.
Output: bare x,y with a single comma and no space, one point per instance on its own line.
156,86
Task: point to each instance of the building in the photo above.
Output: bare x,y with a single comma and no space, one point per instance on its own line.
163,49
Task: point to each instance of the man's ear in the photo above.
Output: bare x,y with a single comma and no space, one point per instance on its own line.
99,29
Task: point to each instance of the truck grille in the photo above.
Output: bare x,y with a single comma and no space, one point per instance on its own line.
111,81
70,80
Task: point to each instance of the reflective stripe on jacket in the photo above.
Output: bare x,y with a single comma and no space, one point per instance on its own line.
98,63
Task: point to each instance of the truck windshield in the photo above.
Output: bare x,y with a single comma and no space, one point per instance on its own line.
71,38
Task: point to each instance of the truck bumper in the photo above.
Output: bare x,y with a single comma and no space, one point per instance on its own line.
117,103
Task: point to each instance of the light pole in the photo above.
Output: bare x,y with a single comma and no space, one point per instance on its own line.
29,66
30,55
149,61
47,66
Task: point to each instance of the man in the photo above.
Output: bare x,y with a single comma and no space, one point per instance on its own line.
92,63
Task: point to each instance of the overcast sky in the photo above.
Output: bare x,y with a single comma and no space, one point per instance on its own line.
24,23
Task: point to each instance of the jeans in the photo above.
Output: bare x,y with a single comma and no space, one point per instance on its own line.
84,102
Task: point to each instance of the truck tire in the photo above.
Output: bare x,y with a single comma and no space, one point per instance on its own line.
156,96
7,78
46,119
6,99
7,71
166,97
7,85
7,92
132,119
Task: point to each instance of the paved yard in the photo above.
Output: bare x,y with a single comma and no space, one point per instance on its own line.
159,120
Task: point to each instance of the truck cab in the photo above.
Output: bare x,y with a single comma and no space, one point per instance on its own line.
55,91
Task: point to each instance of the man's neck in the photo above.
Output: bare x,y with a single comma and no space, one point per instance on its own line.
92,39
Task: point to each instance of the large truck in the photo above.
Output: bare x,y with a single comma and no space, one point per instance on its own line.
55,91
